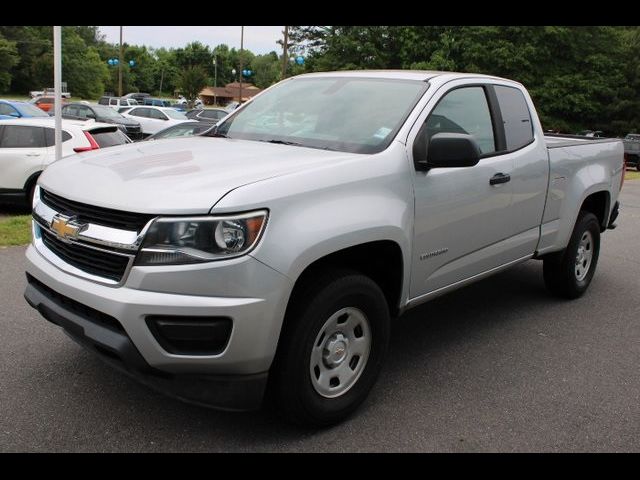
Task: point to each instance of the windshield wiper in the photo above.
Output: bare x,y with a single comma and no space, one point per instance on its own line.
284,142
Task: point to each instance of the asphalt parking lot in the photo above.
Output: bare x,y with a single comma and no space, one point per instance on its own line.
497,366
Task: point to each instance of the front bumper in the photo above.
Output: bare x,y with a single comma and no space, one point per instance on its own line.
252,294
229,392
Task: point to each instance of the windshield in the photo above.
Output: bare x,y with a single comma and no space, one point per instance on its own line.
106,112
347,114
176,115
31,110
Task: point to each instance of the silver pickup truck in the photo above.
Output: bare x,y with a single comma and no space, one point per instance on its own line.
267,258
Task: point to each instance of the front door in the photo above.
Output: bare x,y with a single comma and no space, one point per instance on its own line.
462,215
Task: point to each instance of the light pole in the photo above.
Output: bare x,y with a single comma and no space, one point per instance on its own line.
120,67
241,48
57,88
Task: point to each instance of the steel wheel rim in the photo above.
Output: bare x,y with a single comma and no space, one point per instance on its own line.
584,256
340,352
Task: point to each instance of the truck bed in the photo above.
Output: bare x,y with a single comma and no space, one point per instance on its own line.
558,140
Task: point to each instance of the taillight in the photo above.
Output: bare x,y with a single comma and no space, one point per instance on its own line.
93,145
624,170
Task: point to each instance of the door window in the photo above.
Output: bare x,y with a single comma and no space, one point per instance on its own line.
158,115
464,110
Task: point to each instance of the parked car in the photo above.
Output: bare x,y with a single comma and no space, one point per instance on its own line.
277,249
104,114
156,102
137,96
11,109
632,150
45,103
209,115
51,92
154,119
186,129
592,133
122,110
117,102
197,104
27,147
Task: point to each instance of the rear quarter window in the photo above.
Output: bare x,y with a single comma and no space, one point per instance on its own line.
50,136
518,127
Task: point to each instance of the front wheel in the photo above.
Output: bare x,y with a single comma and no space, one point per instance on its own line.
569,273
332,348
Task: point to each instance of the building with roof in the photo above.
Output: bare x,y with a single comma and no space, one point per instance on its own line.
229,93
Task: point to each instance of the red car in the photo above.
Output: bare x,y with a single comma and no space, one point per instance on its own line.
45,103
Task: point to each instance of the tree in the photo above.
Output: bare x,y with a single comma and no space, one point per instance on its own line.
266,70
8,58
82,68
191,83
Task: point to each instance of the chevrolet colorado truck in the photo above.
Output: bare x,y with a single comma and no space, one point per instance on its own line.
266,258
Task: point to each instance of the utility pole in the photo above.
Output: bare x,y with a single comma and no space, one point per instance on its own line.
285,46
241,48
120,67
57,88
215,78
161,78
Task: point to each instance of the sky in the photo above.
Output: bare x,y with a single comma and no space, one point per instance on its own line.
259,40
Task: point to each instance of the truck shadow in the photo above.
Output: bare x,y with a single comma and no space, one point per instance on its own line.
419,338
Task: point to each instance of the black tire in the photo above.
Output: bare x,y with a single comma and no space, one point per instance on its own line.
559,269
291,386
30,194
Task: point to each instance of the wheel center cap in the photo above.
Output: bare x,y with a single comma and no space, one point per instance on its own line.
335,350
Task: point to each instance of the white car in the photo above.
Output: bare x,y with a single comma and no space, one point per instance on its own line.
154,119
27,147
116,102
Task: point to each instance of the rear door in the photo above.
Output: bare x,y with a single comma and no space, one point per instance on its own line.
23,151
530,174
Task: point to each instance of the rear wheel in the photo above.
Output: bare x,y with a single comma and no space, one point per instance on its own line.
332,348
569,273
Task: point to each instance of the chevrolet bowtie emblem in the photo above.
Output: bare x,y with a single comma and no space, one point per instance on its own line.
66,227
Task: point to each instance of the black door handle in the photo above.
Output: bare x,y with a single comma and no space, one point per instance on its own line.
500,178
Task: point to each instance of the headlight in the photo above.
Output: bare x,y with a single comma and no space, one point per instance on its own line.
176,241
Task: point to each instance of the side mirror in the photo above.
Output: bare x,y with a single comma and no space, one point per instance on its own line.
447,150
91,115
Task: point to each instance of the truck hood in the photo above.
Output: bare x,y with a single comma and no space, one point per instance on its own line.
175,176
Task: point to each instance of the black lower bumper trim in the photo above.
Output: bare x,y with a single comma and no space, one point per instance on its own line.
225,392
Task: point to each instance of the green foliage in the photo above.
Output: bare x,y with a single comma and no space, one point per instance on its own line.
8,58
82,68
578,77
266,70
15,230
191,83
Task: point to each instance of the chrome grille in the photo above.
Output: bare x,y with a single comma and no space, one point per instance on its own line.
97,215
90,260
